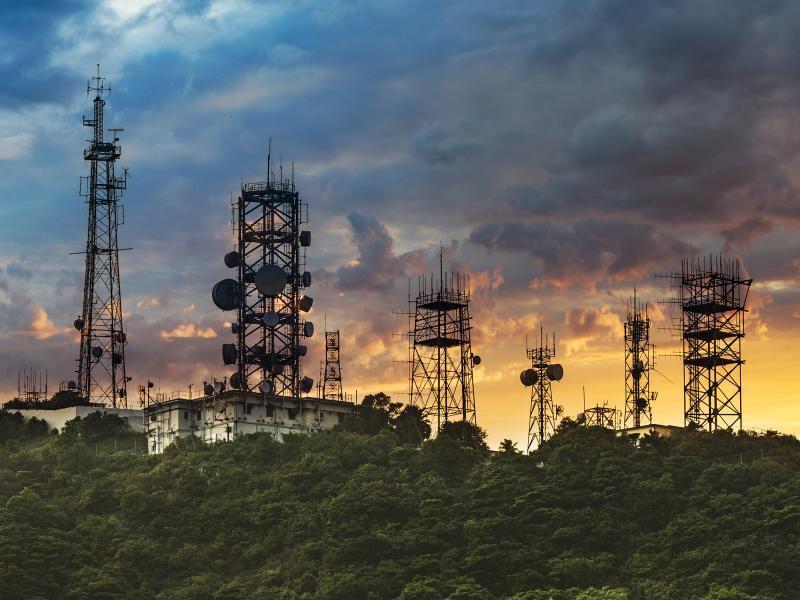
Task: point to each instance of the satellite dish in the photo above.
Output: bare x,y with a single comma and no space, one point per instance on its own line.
581,419
121,337
232,260
234,328
209,389
308,329
306,278
305,238
306,302
277,369
229,354
226,294
555,372
236,381
71,385
97,352
529,377
270,280
271,319
302,350
78,323
476,360
265,387
219,387
641,403
306,384
116,358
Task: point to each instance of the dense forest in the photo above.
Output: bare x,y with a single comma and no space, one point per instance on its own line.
368,513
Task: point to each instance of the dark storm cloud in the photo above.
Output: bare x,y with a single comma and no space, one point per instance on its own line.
586,252
435,144
376,266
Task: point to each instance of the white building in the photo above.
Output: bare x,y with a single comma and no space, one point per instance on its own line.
223,416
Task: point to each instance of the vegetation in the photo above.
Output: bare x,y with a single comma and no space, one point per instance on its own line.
353,516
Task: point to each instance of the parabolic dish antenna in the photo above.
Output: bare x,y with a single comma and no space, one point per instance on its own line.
219,387
97,352
528,377
302,350
555,372
265,387
72,385
232,259
271,319
226,294
236,381
306,302
117,358
234,328
208,389
641,403
305,238
78,323
476,360
306,383
229,354
270,280
306,278
308,329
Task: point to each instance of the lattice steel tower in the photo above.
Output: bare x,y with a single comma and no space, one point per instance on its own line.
267,294
543,411
101,363
440,349
712,294
332,376
638,360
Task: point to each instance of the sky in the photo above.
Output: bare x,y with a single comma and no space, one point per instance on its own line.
560,152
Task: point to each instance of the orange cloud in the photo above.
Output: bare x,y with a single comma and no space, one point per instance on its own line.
188,330
41,326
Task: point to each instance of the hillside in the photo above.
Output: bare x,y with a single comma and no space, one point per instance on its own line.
348,516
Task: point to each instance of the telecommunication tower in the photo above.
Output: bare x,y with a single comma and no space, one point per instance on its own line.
543,412
101,363
638,360
440,349
267,293
332,376
712,294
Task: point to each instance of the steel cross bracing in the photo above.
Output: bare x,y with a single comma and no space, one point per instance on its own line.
101,363
638,359
269,219
542,412
713,296
441,380
332,375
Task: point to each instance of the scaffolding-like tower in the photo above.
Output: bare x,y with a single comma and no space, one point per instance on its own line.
712,294
599,416
267,293
638,361
332,377
543,411
101,362
440,349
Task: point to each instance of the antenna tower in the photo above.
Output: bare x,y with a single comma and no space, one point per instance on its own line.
332,378
543,411
712,294
101,363
267,293
638,360
440,349
599,416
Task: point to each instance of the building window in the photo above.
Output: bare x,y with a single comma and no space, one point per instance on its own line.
270,410
322,415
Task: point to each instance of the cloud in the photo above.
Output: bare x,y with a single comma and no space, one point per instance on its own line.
587,252
41,326
188,330
15,146
745,232
376,267
433,143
